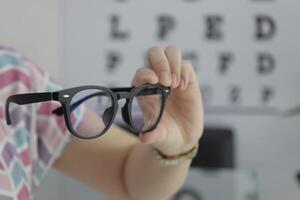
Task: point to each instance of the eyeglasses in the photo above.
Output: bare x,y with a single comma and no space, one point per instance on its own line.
141,112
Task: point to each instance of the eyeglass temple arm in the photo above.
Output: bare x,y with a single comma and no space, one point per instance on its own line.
59,111
23,99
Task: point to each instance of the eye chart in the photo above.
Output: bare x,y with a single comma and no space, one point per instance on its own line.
242,50
245,52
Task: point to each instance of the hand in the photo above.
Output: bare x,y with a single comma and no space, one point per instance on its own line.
181,125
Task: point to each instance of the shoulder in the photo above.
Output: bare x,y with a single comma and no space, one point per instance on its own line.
9,58
19,71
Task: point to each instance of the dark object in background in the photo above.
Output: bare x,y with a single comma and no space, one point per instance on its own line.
216,149
298,177
188,193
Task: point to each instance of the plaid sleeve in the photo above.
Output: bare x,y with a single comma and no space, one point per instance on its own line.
51,134
36,137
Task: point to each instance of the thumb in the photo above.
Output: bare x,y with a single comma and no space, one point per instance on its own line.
152,137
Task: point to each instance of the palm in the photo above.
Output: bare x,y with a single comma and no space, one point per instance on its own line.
180,122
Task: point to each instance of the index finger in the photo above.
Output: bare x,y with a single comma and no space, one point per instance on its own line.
160,65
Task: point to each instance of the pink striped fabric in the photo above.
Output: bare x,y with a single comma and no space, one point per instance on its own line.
25,156
10,76
2,114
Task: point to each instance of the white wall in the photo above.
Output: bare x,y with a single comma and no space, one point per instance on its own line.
31,26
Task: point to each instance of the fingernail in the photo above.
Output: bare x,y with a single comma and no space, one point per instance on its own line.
174,80
165,77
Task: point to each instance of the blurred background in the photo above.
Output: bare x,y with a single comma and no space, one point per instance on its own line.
245,52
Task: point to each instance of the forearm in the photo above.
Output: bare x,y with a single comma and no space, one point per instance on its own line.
146,178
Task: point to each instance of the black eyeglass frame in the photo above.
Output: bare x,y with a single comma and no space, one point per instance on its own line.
65,98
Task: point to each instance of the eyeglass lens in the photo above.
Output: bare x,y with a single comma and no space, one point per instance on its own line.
100,108
146,108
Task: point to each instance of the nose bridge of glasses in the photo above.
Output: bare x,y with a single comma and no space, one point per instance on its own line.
123,95
125,114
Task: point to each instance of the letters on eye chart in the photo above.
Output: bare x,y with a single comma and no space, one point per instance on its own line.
263,31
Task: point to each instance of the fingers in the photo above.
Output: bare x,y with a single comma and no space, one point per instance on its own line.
158,61
175,60
143,76
166,64
167,68
188,75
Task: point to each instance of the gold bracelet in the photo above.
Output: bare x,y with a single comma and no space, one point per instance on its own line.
177,159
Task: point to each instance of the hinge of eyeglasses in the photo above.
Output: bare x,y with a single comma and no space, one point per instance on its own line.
54,96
